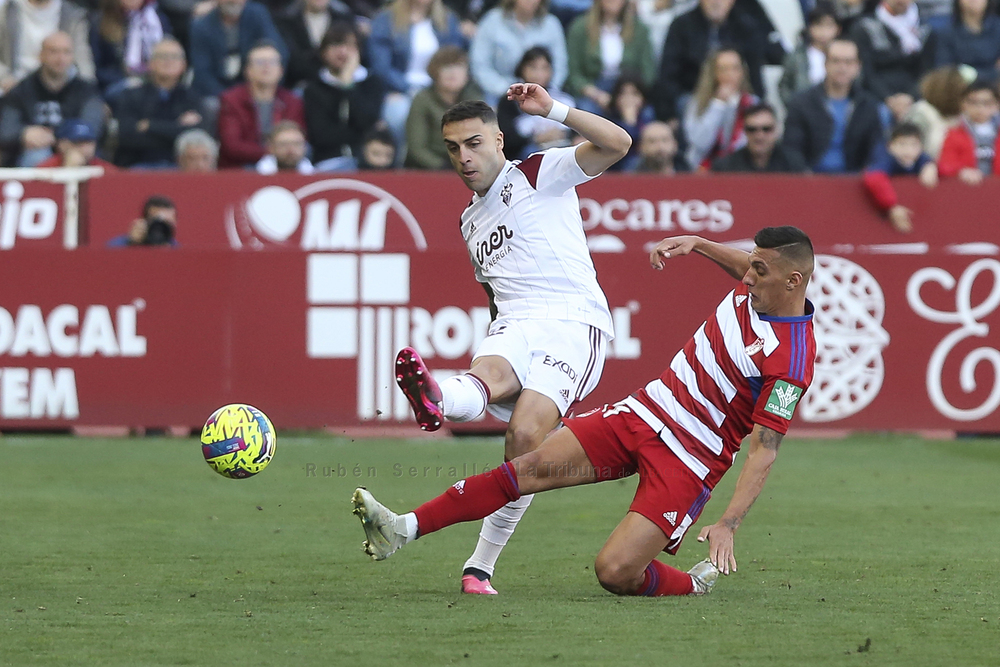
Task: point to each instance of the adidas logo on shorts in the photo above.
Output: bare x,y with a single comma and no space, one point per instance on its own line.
671,517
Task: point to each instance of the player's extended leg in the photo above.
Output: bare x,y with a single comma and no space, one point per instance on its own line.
627,563
559,462
459,398
535,415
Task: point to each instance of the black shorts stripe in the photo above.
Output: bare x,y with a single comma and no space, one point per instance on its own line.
595,346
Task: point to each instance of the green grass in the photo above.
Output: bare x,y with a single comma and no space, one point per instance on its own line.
132,552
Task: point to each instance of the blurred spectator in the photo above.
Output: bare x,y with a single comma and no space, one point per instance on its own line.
249,111
938,109
122,37
221,41
937,14
896,50
903,156
657,15
524,134
658,150
378,150
303,29
706,28
603,44
449,70
970,149
713,120
469,12
180,14
972,38
342,101
24,24
630,110
505,33
76,146
157,226
568,11
835,126
404,37
762,153
34,108
806,65
151,116
286,151
196,151
848,12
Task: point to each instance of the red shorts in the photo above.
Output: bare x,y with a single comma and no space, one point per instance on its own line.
620,444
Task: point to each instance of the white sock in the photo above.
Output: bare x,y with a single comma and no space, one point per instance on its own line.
463,398
406,525
497,529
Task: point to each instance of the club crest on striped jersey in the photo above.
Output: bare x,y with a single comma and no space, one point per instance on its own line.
783,399
740,298
754,347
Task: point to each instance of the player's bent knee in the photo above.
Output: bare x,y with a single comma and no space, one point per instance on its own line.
616,576
520,440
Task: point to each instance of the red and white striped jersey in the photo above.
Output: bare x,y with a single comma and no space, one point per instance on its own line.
740,369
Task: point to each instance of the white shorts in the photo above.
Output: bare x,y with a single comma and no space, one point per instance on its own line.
559,359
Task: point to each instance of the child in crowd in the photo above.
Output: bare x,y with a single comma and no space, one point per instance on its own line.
903,156
970,148
630,109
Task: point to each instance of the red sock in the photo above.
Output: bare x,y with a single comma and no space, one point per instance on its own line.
661,579
469,499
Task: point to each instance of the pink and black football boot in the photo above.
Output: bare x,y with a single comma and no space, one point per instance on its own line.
420,389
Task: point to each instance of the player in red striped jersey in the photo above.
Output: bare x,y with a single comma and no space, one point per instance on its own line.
742,373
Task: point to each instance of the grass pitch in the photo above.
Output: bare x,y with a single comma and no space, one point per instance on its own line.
865,551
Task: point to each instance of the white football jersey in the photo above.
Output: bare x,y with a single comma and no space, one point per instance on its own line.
526,240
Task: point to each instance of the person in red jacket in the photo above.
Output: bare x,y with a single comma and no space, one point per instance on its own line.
903,156
248,112
971,149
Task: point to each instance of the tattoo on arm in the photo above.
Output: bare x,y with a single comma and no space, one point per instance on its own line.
770,438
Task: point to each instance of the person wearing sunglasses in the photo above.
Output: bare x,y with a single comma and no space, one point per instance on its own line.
762,152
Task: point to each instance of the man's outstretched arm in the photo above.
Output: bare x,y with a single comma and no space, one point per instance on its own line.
733,261
762,452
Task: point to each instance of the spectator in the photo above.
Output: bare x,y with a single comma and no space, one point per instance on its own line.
630,110
603,44
835,126
848,12
469,12
449,70
504,34
713,120
805,67
76,146
524,134
286,151
657,15
895,52
221,42
938,109
970,149
378,150
903,156
34,108
122,37
303,29
249,111
151,117
342,101
658,150
762,153
405,36
24,24
568,11
692,36
937,14
972,38
157,226
196,152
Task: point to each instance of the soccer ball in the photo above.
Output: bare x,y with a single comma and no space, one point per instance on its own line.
238,441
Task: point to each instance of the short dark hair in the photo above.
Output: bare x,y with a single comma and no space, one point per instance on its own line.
337,34
979,85
906,130
759,107
791,243
379,135
468,110
530,56
264,44
157,201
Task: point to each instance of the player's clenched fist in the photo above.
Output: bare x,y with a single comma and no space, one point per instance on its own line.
532,98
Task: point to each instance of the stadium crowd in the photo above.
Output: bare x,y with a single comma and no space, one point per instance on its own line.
334,85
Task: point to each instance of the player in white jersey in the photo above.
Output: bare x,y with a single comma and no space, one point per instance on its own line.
545,348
